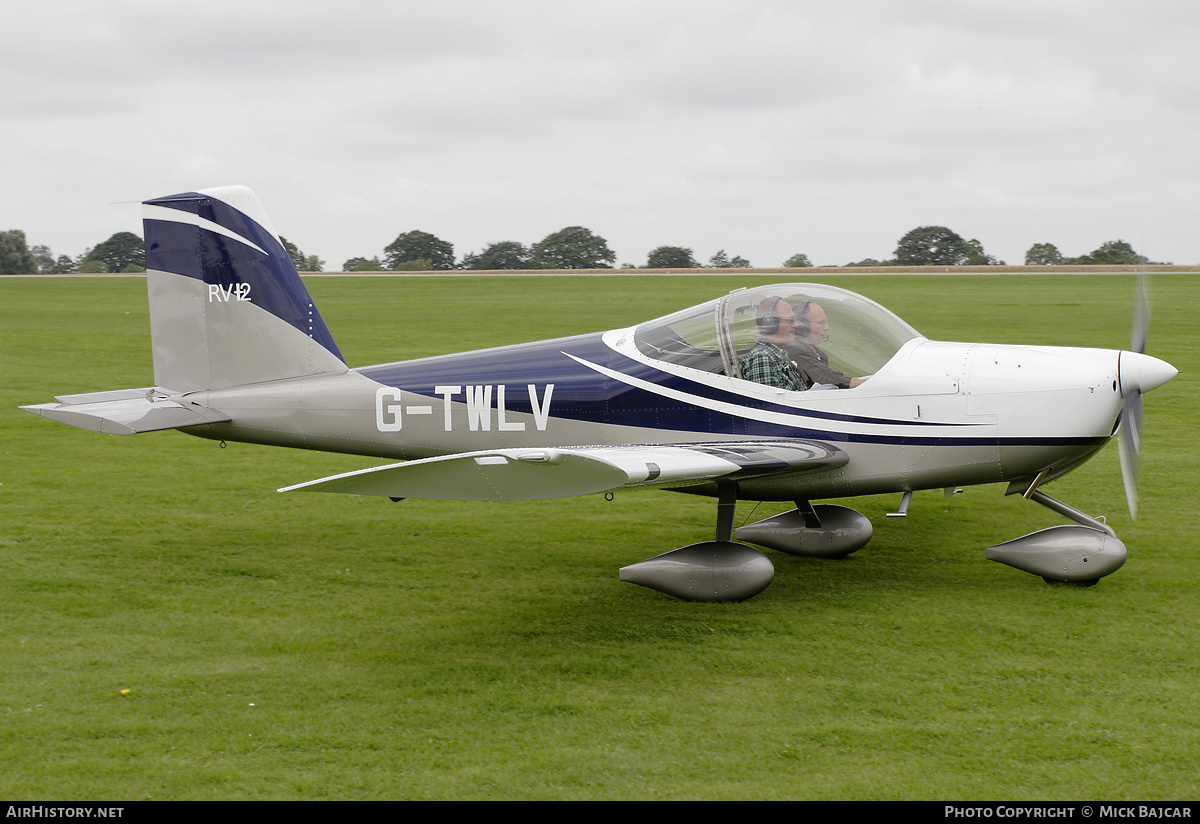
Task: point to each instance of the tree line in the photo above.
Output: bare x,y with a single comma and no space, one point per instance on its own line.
939,246
578,248
123,252
573,247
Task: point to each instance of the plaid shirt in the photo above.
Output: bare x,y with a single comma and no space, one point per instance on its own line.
767,363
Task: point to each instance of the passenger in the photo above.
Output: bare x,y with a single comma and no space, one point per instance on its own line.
767,361
812,328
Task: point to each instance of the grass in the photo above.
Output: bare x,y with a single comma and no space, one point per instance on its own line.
333,647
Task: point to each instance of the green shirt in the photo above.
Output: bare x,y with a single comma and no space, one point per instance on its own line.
767,363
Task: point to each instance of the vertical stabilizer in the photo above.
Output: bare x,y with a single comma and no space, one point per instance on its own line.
227,306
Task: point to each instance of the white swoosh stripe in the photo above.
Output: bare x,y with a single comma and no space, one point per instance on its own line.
707,403
155,212
766,416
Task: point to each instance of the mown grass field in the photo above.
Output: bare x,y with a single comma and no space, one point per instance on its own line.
332,647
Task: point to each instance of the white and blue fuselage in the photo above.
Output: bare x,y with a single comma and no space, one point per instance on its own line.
936,414
242,354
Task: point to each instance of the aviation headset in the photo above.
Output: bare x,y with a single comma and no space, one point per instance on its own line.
802,325
768,322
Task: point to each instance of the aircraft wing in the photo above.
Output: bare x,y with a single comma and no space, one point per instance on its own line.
126,411
563,472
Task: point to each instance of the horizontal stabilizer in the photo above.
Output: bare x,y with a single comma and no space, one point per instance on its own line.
532,474
127,411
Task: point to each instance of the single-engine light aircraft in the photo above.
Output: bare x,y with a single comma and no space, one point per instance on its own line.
679,402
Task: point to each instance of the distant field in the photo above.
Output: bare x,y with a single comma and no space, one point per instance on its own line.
333,647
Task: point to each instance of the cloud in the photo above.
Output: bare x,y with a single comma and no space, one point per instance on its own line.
765,128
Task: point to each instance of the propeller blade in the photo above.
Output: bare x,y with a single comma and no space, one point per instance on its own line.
1141,319
1130,442
1129,445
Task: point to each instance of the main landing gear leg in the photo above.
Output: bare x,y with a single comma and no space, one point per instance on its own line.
726,506
717,570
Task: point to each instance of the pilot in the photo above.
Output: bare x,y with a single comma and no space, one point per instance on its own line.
767,361
812,327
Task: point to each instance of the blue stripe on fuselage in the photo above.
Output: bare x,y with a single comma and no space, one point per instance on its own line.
583,394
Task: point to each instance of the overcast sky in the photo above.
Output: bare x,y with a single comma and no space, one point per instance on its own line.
761,127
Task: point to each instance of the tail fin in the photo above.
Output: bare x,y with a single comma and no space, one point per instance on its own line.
227,306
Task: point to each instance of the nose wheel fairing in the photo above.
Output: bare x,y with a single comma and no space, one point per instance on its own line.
1067,553
1081,553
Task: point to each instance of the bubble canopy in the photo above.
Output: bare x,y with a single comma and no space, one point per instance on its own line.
863,335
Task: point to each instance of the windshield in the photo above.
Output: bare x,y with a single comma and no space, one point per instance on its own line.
711,337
